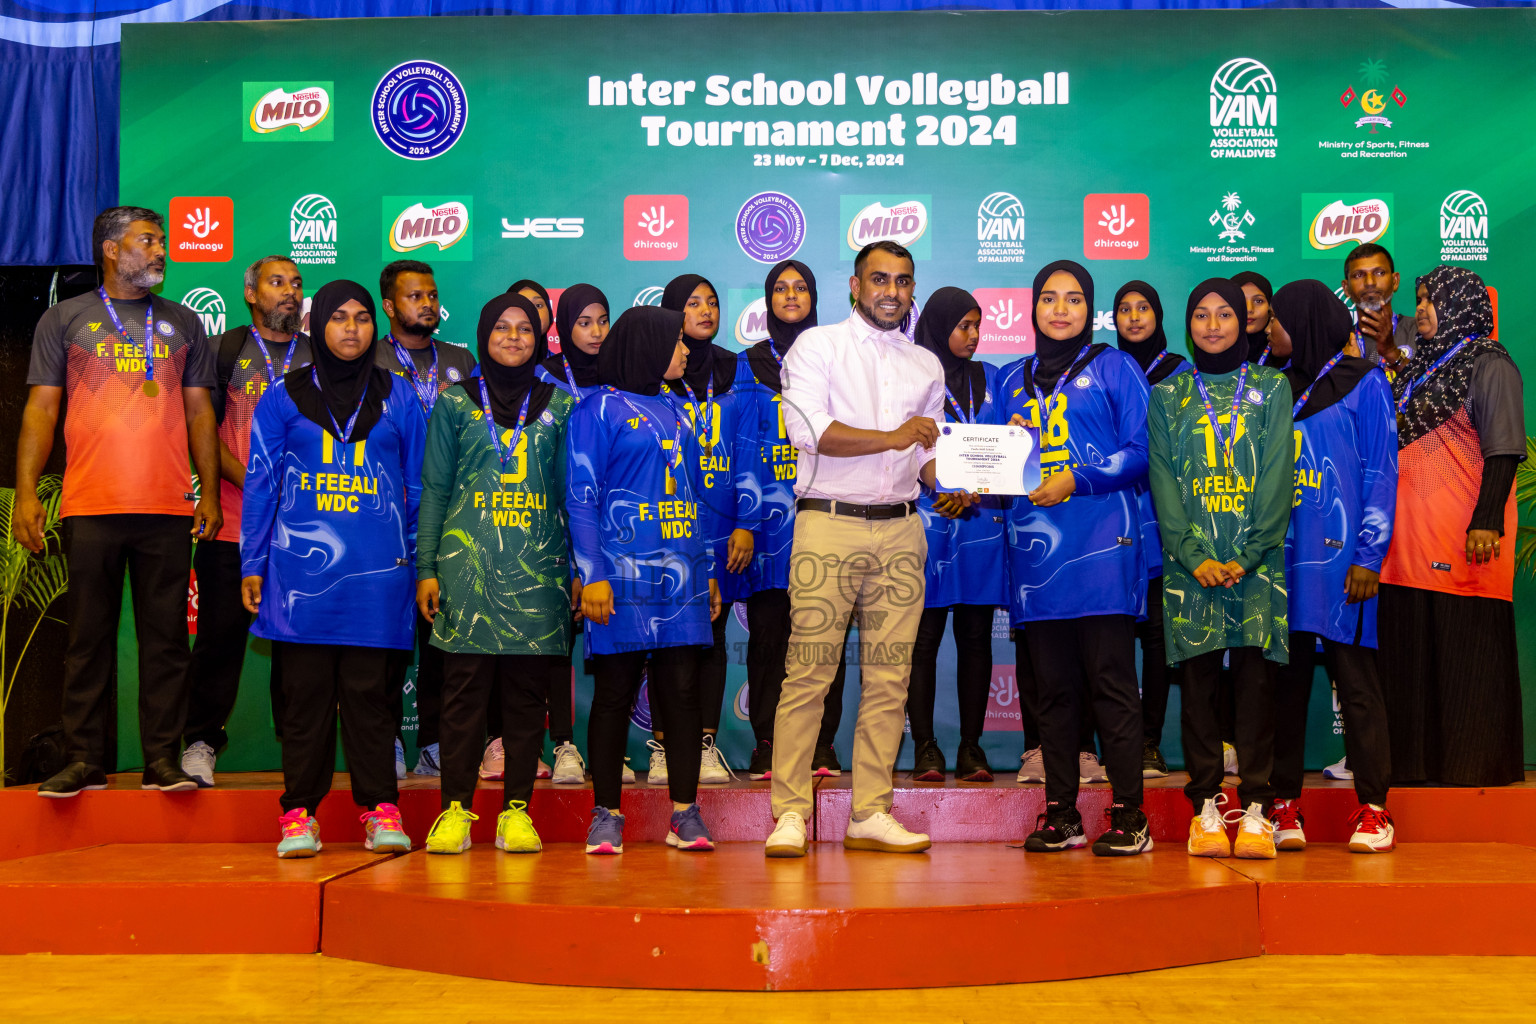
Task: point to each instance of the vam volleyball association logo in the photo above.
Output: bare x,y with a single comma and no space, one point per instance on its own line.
1463,228
1245,109
209,307
1000,229
770,227
312,230
419,110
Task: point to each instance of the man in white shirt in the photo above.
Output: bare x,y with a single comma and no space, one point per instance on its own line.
861,403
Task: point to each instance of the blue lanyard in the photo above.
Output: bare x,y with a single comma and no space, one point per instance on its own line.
293,343
1210,411
150,387
703,411
1330,364
517,431
1164,354
570,378
1029,376
1264,356
425,394
1402,403
345,436
1360,338
960,411
676,458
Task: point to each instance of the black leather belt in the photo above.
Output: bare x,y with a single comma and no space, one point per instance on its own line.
900,510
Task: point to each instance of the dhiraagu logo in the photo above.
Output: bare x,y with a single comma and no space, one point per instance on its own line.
287,112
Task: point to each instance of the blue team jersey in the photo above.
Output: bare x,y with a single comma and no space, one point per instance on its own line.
726,452
331,527
766,490
566,384
626,528
1084,556
966,563
1342,510
1151,540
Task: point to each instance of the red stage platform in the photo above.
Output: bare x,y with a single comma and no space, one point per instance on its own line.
131,871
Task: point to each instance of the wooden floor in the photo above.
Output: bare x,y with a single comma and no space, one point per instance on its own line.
293,989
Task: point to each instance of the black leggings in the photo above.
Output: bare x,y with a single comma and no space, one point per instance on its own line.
767,657
1254,702
468,682
973,669
1029,699
319,680
1156,679
672,674
1353,669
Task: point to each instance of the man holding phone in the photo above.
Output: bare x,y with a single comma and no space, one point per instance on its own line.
1370,281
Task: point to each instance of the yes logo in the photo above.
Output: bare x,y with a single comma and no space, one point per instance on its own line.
655,227
202,229
1115,226
1007,322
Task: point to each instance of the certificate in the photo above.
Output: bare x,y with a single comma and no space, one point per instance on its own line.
986,459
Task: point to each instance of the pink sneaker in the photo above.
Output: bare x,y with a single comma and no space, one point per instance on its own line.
386,831
301,834
493,766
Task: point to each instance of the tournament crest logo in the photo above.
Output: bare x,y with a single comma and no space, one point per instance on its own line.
770,227
419,110
1373,103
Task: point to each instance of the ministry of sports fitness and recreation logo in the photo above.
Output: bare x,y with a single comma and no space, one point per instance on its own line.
209,307
1331,221
770,227
1373,103
1463,228
312,230
1245,108
419,110
1000,229
899,219
1233,222
411,224
281,112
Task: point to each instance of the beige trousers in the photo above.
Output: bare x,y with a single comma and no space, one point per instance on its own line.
871,570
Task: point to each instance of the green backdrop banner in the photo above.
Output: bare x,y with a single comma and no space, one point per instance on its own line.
1168,146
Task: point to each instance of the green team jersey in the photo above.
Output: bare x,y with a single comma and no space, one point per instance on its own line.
494,536
1206,510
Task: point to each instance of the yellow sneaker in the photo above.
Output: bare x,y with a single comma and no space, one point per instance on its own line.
1207,832
450,832
515,832
1255,833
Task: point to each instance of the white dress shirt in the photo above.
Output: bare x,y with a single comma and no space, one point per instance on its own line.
863,377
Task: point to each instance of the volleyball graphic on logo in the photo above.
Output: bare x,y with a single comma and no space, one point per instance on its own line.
1243,74
649,296
770,227
419,110
1463,204
1000,204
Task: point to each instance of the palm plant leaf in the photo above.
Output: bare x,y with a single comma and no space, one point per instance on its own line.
1525,499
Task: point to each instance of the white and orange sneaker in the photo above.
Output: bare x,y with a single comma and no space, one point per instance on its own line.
1255,833
1289,825
493,765
1373,831
1207,831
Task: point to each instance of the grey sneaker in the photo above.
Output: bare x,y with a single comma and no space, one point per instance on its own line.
198,761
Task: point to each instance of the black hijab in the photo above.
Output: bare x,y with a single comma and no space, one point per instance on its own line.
534,286
1319,326
1257,340
508,384
706,360
780,334
583,367
342,381
1463,312
1234,355
965,378
1054,358
639,348
1142,351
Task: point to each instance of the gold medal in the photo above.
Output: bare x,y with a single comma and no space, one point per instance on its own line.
671,484
151,388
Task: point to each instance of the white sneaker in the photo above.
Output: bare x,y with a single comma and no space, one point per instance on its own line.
788,837
1228,759
714,770
885,834
197,761
1089,769
570,769
1338,771
493,764
399,760
628,777
543,770
1373,831
1032,766
658,774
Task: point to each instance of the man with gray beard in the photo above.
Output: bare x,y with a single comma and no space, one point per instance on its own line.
251,358
138,370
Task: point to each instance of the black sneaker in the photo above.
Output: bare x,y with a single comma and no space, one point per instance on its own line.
762,762
928,762
971,763
1128,833
1152,764
74,777
824,761
164,774
1059,828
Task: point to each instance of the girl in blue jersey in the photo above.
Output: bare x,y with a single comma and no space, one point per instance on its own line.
706,391
1341,526
581,320
648,578
1139,327
1078,577
966,565
327,542
789,295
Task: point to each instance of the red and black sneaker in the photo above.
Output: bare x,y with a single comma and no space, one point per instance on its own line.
1290,826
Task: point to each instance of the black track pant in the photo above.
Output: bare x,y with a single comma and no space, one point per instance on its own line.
218,652
1156,678
672,674
1253,679
469,681
1353,670
973,669
767,660
1029,698
319,680
429,684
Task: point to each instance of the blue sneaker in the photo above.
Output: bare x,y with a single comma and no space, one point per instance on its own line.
688,831
426,761
384,831
399,760
301,835
606,834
